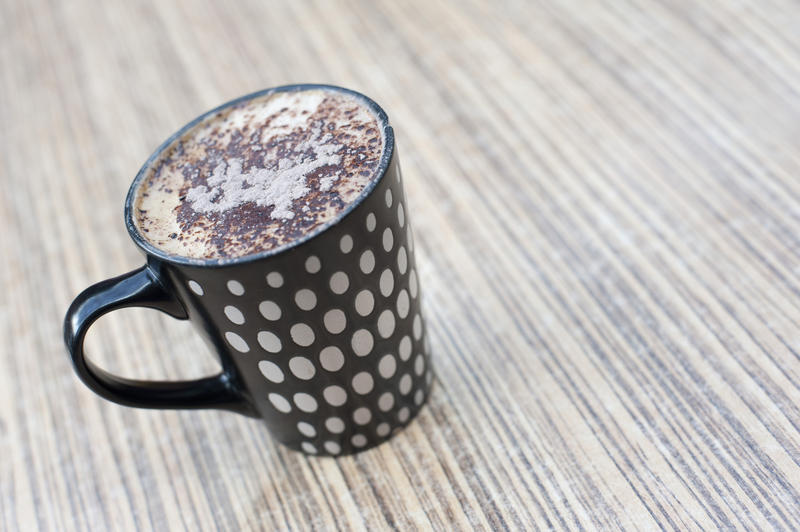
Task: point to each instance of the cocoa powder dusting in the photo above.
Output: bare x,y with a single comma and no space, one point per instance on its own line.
260,174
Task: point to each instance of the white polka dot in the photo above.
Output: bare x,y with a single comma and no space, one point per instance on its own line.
401,215
383,430
331,358
271,371
235,287
335,395
308,447
419,365
412,283
362,342
387,366
386,323
334,425
386,402
405,348
358,440
346,244
429,377
279,402
388,197
403,303
195,287
365,302
306,429
275,279
363,383
367,261
388,239
305,299
302,334
405,384
234,314
302,368
270,310
269,341
402,260
387,282
237,342
419,396
371,222
305,402
335,321
339,283
417,327
403,414
362,415
313,264
410,239
332,447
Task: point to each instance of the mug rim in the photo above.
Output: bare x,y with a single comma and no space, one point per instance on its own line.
383,165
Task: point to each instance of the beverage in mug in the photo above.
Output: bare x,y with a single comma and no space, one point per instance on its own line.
260,174
277,224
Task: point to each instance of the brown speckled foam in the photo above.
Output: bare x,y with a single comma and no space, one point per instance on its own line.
260,174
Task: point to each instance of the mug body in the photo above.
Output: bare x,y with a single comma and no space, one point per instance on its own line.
325,336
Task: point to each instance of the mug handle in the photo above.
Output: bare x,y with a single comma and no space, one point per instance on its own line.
141,288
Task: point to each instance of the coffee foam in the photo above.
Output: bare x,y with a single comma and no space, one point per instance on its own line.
260,174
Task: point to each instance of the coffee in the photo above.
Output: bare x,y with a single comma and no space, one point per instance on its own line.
300,331
260,174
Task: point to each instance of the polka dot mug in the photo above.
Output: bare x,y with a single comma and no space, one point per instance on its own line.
323,339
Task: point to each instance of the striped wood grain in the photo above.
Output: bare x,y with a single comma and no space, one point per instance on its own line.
606,204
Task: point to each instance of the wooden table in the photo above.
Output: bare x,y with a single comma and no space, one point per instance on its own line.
607,209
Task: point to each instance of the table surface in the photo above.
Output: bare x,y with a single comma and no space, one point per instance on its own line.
606,203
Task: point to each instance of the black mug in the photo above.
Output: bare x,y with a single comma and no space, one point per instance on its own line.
322,338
